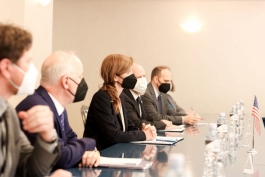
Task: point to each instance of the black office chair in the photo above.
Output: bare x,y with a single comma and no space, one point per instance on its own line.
84,111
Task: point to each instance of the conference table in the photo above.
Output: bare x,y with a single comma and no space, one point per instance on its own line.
234,160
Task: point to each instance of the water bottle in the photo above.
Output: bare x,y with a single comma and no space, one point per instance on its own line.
237,106
222,132
222,123
233,111
242,114
243,111
241,103
233,120
212,148
233,135
176,165
240,125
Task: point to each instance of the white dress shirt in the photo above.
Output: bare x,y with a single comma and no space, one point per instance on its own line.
58,106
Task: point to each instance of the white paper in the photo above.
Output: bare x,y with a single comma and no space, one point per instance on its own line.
119,161
128,163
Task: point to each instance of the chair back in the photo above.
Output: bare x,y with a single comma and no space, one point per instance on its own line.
84,111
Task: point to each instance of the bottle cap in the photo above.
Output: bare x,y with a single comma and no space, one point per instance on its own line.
222,114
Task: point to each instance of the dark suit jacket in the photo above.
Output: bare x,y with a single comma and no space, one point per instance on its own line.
72,147
134,112
151,107
105,126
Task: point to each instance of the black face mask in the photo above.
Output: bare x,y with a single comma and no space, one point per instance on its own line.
81,90
129,82
164,87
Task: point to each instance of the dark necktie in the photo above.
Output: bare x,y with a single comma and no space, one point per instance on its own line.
159,104
138,100
62,120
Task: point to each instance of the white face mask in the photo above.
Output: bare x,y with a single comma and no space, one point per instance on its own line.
141,85
27,86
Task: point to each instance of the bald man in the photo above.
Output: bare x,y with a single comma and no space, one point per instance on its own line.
135,106
62,83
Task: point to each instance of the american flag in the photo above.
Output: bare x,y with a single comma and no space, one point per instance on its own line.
255,114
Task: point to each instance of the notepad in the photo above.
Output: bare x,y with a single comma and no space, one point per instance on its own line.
161,140
129,163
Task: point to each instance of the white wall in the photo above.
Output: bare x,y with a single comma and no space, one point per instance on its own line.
212,69
35,18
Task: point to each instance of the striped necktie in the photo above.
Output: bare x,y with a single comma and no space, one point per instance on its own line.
62,120
159,104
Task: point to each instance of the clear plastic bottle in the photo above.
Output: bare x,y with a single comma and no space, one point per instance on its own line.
233,111
237,106
222,123
233,120
240,124
222,130
233,139
241,103
222,134
212,148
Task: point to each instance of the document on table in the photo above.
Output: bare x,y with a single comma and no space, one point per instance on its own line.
161,140
181,129
130,163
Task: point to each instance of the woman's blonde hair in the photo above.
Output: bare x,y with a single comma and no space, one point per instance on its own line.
114,64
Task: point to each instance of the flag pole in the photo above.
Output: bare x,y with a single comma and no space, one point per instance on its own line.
253,151
253,134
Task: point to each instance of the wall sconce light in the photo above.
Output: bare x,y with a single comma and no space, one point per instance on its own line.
43,2
191,26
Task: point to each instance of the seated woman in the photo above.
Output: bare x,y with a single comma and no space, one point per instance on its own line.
107,119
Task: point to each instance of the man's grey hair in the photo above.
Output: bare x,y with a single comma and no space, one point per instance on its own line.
58,64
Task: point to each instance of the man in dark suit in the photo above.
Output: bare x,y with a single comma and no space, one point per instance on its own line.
156,103
135,105
62,83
